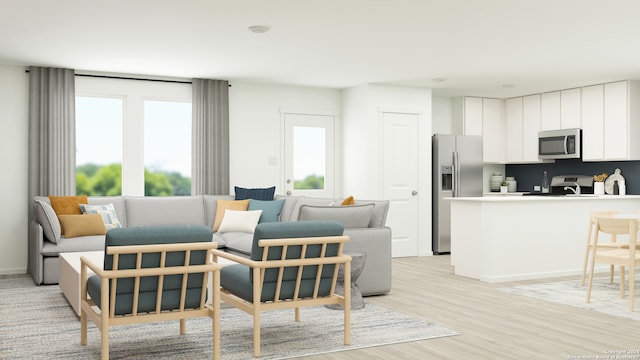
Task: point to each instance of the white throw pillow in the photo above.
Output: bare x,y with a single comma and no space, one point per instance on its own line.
108,213
240,221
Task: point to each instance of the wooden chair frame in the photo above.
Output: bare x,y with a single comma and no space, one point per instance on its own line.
259,268
613,244
105,317
628,257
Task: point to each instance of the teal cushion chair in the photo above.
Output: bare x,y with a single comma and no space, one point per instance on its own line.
151,274
292,265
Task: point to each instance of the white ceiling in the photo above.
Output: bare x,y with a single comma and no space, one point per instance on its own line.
477,45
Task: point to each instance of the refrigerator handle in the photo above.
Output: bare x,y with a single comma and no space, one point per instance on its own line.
456,174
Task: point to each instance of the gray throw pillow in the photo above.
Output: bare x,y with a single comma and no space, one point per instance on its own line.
48,219
350,216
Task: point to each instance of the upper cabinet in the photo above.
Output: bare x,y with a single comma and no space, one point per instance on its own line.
472,116
570,110
493,131
523,124
593,122
610,120
550,111
485,117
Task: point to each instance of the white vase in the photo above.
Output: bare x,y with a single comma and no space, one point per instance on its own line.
504,189
598,188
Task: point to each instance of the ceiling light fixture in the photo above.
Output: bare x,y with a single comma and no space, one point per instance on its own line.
259,29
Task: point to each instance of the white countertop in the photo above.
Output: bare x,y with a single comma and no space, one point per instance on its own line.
513,197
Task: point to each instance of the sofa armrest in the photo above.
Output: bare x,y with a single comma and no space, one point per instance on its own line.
35,245
376,244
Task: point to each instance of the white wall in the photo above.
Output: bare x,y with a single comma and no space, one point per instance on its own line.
442,115
255,129
362,145
14,112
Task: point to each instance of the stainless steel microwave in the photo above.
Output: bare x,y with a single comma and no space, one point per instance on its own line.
560,144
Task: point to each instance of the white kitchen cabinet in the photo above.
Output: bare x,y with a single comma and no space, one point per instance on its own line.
616,124
550,111
593,123
530,127
472,116
522,116
570,109
513,111
493,131
610,121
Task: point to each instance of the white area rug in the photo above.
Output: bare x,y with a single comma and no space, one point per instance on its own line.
605,297
36,322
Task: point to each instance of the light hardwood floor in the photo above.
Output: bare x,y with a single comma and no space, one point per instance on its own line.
494,324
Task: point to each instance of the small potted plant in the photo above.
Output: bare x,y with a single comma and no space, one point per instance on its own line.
504,187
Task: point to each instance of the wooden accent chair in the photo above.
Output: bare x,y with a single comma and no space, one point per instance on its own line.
629,257
292,265
151,274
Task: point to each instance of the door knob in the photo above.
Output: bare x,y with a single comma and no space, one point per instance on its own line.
288,192
414,193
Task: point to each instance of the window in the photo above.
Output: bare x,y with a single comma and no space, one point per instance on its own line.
309,157
132,137
167,148
98,145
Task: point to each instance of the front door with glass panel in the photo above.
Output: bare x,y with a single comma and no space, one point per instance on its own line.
309,155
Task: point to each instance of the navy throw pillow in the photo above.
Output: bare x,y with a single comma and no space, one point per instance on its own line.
256,194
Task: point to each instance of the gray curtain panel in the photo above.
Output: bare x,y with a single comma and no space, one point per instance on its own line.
52,132
210,139
52,136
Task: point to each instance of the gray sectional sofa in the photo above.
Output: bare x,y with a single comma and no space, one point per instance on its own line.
364,224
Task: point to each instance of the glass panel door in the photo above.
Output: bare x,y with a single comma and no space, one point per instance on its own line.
309,155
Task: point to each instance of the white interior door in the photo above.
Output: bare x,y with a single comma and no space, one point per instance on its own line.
309,155
400,179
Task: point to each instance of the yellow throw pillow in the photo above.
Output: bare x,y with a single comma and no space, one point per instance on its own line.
348,201
67,205
222,205
82,225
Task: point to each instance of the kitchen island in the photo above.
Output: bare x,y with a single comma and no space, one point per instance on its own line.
509,238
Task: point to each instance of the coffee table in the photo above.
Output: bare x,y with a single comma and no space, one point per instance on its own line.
69,280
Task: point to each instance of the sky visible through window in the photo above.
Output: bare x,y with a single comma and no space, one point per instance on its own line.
167,133
308,152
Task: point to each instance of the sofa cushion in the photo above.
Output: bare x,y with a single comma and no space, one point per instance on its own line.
239,221
305,200
352,216
256,193
239,242
379,213
108,213
77,244
210,207
67,205
82,225
166,210
222,205
48,219
348,201
118,204
270,209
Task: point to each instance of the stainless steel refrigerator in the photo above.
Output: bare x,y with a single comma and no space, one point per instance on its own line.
457,172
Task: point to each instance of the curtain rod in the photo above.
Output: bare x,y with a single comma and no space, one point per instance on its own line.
130,78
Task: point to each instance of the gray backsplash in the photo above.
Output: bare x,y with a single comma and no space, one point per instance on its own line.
528,175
